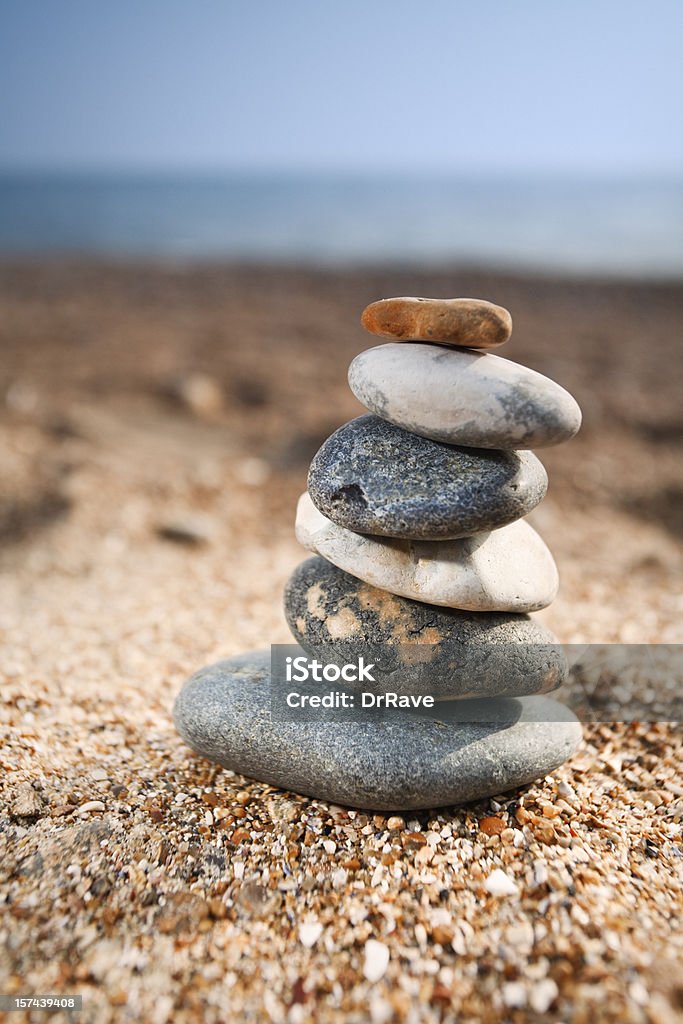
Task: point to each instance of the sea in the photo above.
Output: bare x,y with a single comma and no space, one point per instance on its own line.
629,227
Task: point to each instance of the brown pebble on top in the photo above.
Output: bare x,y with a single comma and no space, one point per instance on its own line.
469,323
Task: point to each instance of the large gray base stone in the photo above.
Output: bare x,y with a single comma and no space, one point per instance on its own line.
405,762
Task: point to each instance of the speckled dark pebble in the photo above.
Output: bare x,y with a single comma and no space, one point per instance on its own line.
405,762
419,648
374,477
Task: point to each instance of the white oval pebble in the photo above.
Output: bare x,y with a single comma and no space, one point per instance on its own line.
500,884
376,960
91,805
543,995
514,994
507,570
309,933
473,399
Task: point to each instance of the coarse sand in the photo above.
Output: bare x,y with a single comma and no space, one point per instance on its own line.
157,423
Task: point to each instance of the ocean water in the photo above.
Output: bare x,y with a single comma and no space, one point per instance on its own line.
628,227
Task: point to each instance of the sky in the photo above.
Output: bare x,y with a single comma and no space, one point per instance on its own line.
360,85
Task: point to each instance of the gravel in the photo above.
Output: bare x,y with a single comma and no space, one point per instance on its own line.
183,899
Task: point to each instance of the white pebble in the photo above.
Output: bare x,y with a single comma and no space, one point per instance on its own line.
377,875
463,398
509,569
543,995
339,878
565,790
297,1014
500,884
309,933
514,994
91,805
380,1010
376,960
638,993
540,872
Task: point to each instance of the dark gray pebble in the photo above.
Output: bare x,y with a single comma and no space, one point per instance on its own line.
374,477
419,648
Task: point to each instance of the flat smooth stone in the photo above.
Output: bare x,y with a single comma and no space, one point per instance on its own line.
474,323
423,649
507,570
373,477
405,762
474,399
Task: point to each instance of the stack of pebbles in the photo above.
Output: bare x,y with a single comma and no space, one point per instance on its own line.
423,565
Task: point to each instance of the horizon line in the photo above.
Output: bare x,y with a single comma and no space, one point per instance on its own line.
342,171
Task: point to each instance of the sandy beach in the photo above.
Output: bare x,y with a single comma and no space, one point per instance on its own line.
157,423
